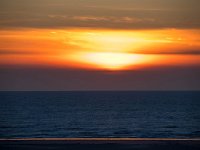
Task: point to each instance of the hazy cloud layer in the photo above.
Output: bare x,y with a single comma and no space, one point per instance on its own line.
172,52
126,14
176,78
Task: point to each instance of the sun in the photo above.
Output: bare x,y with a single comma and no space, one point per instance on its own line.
110,60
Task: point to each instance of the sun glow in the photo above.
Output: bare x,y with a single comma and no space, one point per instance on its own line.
109,49
111,60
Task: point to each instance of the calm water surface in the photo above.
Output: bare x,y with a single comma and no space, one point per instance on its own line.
100,114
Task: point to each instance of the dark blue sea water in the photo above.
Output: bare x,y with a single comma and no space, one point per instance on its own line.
100,114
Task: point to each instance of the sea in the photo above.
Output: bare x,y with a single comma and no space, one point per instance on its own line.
96,114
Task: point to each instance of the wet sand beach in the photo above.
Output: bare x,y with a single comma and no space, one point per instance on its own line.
99,144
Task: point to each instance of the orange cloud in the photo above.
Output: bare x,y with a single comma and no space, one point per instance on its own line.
99,49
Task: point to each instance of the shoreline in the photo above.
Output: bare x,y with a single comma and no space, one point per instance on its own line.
99,144
101,139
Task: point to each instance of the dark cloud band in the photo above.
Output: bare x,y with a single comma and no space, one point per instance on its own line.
120,14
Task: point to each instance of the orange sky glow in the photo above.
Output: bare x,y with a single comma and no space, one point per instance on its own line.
100,48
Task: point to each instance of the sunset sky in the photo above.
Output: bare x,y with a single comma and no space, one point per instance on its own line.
99,45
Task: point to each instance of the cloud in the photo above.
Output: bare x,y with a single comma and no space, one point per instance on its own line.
21,52
29,78
112,19
132,9
90,18
174,52
121,14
